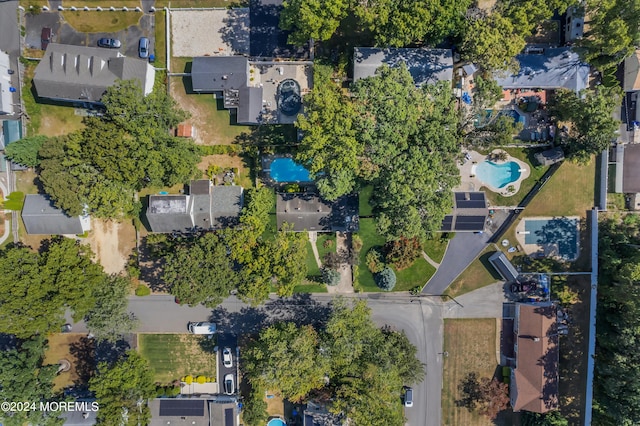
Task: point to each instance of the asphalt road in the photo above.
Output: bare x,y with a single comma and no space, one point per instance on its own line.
9,28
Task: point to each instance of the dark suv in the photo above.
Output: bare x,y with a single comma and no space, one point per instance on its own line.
45,38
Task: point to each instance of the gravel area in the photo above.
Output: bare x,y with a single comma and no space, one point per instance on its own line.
222,32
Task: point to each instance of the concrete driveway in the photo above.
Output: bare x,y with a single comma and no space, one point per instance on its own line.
63,33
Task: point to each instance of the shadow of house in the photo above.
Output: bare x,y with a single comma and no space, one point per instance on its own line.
534,380
235,31
309,212
426,66
267,40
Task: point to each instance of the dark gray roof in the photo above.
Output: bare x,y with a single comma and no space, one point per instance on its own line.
222,414
550,156
427,66
191,411
200,186
169,213
470,211
226,205
249,105
631,168
79,417
308,212
80,73
217,73
553,69
41,216
503,266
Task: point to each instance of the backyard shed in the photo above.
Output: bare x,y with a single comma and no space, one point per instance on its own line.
500,262
550,156
186,131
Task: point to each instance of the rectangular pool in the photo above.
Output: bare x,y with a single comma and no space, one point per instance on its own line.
561,232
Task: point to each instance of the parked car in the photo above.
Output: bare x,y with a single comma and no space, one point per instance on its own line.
143,48
227,358
229,387
408,397
45,38
111,43
208,328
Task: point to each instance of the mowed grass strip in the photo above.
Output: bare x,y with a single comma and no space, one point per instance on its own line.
478,274
173,356
471,347
101,22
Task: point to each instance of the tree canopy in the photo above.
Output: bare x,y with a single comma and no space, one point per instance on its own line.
317,19
25,150
109,318
123,389
126,149
400,138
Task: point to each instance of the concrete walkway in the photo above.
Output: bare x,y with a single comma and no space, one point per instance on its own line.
431,261
345,286
313,237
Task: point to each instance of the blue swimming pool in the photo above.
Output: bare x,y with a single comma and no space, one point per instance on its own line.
276,422
287,170
498,175
561,232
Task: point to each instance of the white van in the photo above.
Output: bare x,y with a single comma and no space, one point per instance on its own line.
202,327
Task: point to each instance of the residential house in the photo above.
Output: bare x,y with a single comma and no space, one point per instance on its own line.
550,156
470,212
309,212
205,207
317,414
630,113
500,262
82,74
214,411
42,217
574,24
6,96
625,159
426,66
546,69
79,417
534,380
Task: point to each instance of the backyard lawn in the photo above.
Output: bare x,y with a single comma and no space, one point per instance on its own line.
363,198
160,42
173,356
60,347
478,274
101,22
416,275
471,348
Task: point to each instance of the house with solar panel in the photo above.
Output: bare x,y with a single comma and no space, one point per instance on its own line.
198,411
470,213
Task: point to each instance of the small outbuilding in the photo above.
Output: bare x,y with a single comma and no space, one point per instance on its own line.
500,262
186,131
550,156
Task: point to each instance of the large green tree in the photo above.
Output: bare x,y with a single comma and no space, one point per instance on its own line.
312,19
25,378
593,127
200,271
37,288
122,389
25,150
109,319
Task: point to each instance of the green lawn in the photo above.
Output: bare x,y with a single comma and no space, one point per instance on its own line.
526,155
478,274
417,275
173,356
370,238
101,22
322,240
312,265
310,288
202,3
364,196
436,247
160,43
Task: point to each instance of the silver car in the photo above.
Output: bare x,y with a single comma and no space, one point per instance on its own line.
227,358
229,387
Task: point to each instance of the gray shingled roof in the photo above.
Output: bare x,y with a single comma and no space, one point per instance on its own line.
41,216
308,212
503,266
169,213
427,66
226,205
80,73
555,68
218,73
249,105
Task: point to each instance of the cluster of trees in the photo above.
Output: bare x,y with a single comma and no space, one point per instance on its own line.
617,362
486,396
124,150
38,287
349,361
206,268
401,139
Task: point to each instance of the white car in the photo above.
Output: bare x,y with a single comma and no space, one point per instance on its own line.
229,387
227,358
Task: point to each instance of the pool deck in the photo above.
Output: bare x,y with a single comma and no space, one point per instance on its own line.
469,181
546,250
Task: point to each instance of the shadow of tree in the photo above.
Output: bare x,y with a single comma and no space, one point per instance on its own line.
84,352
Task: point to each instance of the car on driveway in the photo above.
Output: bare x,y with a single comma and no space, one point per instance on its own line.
143,48
45,38
408,397
229,387
111,43
227,358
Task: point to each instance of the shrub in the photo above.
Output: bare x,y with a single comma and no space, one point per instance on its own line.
356,243
327,243
232,149
403,252
213,170
416,290
188,379
374,260
330,276
331,260
292,187
386,279
143,290
172,391
201,380
160,391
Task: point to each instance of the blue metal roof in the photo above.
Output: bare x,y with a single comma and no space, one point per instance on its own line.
12,130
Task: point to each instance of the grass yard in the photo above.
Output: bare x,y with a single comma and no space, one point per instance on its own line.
173,356
478,274
243,177
526,155
312,265
416,275
436,247
101,22
105,4
364,196
370,238
202,3
616,202
60,347
310,288
322,241
160,42
471,344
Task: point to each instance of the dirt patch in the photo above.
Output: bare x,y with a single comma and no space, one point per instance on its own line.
112,242
228,32
64,346
487,5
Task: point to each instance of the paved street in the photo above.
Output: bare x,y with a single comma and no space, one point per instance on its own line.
10,37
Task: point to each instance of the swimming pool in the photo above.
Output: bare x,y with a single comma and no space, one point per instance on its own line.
498,175
561,232
276,422
287,170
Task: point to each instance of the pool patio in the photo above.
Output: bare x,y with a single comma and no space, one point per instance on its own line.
558,238
470,182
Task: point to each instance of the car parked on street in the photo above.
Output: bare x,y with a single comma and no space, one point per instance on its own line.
229,387
143,48
111,43
227,358
408,397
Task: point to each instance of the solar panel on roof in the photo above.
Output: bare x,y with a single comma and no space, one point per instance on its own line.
182,408
471,204
470,223
228,417
447,223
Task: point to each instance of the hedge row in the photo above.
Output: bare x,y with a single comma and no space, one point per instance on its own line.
233,149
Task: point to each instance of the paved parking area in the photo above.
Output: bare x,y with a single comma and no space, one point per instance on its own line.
222,32
63,33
